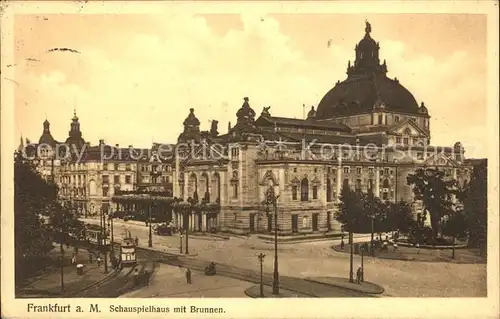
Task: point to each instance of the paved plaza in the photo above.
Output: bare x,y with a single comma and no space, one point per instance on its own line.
318,259
170,281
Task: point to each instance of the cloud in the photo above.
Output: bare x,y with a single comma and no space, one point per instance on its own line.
140,87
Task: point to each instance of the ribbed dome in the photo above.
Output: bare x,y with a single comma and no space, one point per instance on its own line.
362,93
367,86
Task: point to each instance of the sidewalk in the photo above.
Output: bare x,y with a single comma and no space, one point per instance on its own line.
49,284
365,287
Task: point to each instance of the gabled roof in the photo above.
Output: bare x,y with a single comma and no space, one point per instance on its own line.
435,158
393,129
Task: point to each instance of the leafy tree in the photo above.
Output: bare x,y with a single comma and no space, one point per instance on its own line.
351,209
435,191
64,222
32,196
476,206
455,225
400,217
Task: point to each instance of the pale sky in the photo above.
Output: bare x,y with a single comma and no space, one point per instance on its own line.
136,76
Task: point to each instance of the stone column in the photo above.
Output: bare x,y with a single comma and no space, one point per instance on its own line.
377,181
204,221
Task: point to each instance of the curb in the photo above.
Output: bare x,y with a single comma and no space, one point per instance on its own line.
378,292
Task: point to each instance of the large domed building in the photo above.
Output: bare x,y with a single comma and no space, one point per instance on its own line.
367,132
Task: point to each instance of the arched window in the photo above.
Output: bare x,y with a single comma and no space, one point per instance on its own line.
92,188
304,190
328,189
370,184
193,185
465,184
345,184
358,185
294,192
216,186
386,183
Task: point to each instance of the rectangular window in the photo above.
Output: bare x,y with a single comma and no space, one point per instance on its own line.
128,179
315,192
116,167
105,191
358,170
154,180
346,170
105,179
117,179
405,141
385,196
295,169
127,167
370,184
458,157
396,119
420,156
370,170
105,166
398,140
294,192
143,168
235,191
380,118
386,171
315,170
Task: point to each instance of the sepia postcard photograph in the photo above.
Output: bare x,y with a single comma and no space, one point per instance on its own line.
201,159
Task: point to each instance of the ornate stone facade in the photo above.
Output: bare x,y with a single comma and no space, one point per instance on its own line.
367,132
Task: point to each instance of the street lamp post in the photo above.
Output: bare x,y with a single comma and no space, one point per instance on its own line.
150,241
181,236
362,268
186,224
62,268
371,242
272,199
351,257
104,246
261,260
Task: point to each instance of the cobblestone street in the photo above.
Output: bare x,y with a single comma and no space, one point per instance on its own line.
318,259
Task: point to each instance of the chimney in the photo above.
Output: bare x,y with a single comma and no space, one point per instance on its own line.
131,146
117,145
101,142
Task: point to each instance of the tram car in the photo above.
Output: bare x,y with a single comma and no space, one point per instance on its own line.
93,234
128,257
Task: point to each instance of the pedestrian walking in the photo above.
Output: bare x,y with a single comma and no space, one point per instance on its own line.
395,246
137,241
73,260
90,257
342,245
146,277
188,276
358,275
98,261
136,276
